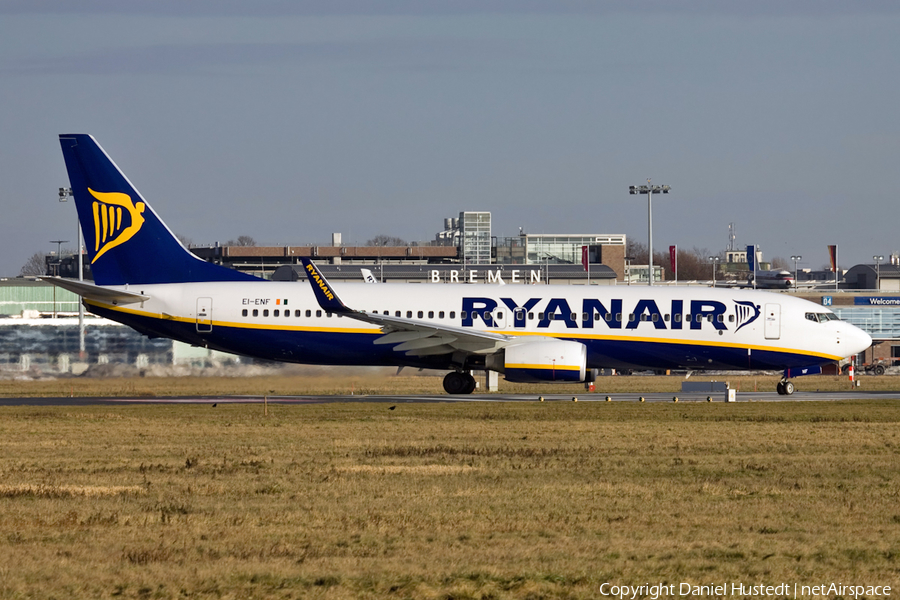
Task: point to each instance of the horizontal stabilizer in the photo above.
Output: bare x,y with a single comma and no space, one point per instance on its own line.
96,292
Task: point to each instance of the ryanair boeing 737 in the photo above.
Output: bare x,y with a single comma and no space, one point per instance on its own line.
146,279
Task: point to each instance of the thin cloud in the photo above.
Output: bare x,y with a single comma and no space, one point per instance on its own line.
214,58
272,8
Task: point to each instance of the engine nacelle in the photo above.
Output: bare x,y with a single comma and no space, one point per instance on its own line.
540,361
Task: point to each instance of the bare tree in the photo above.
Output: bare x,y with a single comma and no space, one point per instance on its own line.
386,240
243,240
185,241
692,264
36,265
779,262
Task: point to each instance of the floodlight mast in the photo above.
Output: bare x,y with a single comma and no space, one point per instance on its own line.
649,190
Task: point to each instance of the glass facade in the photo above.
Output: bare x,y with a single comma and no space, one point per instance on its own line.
566,249
881,322
475,238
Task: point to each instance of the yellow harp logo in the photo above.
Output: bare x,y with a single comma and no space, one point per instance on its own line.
110,229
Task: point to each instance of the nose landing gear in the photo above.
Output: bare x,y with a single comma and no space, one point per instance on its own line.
784,388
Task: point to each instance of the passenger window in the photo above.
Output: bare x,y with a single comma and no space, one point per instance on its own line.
453,314
318,313
308,313
409,314
531,316
678,318
540,316
328,314
720,318
276,313
551,317
397,313
244,313
441,315
266,312
699,318
487,315
462,315
666,317
430,314
655,317
573,317
618,317
420,313
500,315
297,313
255,312
731,318
585,317
631,317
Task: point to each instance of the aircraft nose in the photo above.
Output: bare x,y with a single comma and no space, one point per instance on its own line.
854,339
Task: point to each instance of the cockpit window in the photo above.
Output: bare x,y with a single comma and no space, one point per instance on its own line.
821,317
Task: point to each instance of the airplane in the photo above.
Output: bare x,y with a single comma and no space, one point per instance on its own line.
773,279
145,278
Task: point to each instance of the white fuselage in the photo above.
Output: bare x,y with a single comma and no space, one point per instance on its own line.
652,327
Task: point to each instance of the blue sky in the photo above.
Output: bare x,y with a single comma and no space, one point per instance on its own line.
288,121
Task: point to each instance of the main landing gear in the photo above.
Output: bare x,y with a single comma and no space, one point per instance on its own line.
459,382
784,388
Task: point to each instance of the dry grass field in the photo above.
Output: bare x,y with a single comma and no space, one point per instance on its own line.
343,381
500,500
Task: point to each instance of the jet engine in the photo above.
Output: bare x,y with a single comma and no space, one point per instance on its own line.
540,361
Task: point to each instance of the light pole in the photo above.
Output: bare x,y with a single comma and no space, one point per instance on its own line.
714,261
878,260
628,260
796,259
64,195
649,190
59,244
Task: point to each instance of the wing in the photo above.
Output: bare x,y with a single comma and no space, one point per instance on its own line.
416,338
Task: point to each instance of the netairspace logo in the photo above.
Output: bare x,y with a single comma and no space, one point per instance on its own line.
743,590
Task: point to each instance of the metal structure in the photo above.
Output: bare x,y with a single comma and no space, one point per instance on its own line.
878,259
796,260
714,261
649,190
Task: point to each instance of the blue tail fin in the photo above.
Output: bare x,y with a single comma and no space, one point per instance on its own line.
126,242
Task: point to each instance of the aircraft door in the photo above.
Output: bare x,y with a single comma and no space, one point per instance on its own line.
773,321
204,315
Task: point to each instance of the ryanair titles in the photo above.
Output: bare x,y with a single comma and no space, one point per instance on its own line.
314,276
613,313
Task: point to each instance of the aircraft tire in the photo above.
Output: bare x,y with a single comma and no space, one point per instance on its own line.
788,388
456,382
780,388
470,383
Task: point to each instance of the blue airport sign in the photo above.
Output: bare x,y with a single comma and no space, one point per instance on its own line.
826,301
877,300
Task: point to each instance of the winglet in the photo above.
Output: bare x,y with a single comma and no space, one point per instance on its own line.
325,294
